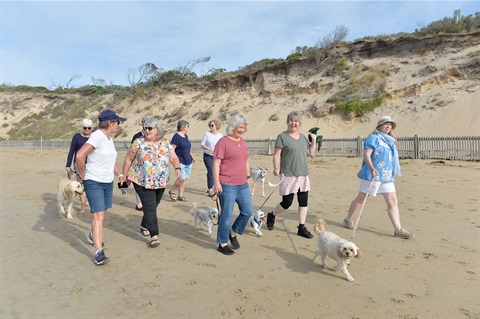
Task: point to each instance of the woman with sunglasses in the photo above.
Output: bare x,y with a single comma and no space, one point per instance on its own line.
147,165
208,143
76,144
98,174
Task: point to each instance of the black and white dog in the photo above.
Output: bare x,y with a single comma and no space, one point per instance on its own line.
258,174
256,221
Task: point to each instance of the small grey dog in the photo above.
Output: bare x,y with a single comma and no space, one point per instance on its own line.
204,216
258,175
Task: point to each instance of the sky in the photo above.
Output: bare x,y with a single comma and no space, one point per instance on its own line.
51,43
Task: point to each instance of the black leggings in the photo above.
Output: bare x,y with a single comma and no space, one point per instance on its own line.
287,200
150,199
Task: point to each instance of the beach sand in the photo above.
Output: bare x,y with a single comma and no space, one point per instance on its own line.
47,269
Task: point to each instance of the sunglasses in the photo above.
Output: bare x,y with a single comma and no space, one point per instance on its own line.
87,128
212,125
149,128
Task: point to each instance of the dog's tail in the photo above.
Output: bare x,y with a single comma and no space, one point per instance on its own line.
319,225
194,207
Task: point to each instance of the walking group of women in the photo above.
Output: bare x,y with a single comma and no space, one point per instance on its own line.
150,156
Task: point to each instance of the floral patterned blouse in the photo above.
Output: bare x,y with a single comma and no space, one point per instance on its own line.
151,166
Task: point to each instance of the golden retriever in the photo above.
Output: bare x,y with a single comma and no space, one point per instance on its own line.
67,190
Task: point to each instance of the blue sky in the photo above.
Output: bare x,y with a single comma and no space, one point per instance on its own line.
48,42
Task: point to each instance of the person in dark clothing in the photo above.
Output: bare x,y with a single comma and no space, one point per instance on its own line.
76,144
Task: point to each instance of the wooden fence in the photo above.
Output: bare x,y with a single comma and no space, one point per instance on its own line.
464,148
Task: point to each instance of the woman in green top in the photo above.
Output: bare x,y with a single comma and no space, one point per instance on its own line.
290,159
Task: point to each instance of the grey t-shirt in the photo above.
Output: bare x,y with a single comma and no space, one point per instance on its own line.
293,158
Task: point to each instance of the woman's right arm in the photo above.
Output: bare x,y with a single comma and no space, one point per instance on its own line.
276,161
217,187
127,163
71,152
82,157
367,157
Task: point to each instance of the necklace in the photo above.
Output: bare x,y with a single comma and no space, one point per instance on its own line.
237,140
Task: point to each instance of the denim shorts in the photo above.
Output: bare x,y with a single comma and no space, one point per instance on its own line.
186,170
99,195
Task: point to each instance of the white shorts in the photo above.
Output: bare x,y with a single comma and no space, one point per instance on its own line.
377,187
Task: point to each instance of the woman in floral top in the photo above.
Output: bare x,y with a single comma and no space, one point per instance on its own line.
147,165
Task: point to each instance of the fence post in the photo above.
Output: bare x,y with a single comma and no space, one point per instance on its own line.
415,146
359,145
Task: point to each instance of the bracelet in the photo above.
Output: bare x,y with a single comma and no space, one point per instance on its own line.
120,175
178,168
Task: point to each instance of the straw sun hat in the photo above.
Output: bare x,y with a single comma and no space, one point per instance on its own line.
385,119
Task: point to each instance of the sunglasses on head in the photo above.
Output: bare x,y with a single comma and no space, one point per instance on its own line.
148,128
87,128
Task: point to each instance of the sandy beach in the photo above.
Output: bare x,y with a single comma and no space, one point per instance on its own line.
47,269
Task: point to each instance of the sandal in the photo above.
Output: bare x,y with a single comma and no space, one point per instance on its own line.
172,195
154,243
144,231
182,199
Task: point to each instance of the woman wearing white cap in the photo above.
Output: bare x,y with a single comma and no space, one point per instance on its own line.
76,144
381,164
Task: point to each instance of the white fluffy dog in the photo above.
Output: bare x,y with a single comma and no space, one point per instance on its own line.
258,175
341,250
256,221
67,190
204,216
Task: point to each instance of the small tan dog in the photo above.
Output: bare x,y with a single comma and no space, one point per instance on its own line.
67,190
339,249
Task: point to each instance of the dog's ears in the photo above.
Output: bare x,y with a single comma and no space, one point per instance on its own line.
340,253
358,254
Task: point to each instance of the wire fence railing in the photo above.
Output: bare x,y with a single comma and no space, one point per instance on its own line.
464,148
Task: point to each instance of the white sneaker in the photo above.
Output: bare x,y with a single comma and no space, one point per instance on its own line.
348,223
403,233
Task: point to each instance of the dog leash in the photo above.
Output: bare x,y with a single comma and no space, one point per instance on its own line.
361,210
214,197
282,177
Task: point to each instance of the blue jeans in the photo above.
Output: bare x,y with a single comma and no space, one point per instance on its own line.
229,196
99,195
208,160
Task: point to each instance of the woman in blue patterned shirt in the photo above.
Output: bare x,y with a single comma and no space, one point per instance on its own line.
377,175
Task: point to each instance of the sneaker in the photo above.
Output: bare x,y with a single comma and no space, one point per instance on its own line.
403,233
90,239
225,250
234,242
100,258
348,223
270,221
302,231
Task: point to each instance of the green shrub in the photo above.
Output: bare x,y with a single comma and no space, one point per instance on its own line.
359,107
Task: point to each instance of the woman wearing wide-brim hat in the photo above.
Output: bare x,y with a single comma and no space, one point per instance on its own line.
377,175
